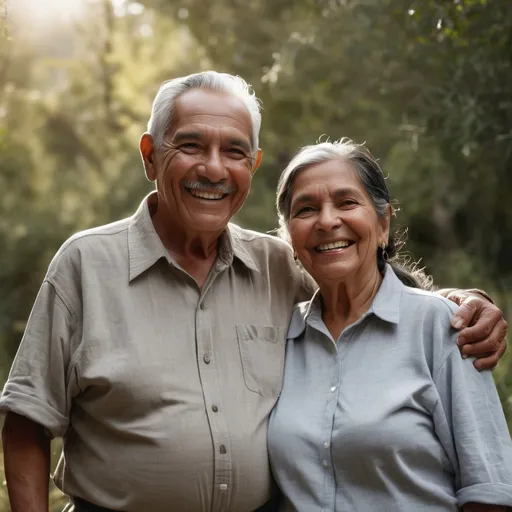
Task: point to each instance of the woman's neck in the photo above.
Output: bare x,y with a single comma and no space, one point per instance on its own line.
344,302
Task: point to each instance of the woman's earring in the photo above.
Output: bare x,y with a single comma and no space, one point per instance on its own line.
384,252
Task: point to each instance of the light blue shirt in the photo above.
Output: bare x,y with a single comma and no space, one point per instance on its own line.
389,417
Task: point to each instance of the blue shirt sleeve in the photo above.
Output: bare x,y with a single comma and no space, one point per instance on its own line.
471,426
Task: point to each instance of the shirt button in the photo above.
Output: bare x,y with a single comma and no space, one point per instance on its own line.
206,359
326,445
325,463
202,305
333,389
223,487
215,408
222,449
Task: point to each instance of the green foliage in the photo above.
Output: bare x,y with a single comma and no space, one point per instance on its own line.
426,83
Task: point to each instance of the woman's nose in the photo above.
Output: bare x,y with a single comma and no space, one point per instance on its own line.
328,219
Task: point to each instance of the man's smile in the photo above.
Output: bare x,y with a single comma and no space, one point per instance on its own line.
207,195
208,191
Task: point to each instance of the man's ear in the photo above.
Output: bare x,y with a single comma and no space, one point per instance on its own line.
147,152
257,161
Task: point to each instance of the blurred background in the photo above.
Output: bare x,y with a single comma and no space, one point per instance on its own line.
427,84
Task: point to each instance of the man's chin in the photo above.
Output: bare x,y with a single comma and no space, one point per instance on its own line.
208,223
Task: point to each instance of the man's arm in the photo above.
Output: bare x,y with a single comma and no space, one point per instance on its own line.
27,463
483,329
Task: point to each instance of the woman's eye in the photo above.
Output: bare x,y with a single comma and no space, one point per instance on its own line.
304,210
348,202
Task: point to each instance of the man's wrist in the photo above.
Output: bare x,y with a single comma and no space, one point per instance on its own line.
482,293
446,292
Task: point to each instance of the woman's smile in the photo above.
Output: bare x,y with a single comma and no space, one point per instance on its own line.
338,246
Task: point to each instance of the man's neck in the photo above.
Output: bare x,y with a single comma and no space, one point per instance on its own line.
194,252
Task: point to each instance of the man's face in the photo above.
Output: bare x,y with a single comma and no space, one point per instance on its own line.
204,167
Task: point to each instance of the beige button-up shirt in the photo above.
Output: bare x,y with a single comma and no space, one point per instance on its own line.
162,391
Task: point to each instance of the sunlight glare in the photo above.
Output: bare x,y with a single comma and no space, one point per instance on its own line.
46,11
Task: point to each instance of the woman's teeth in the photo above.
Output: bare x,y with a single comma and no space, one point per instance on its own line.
333,245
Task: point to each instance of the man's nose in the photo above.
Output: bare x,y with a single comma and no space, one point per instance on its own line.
329,218
213,168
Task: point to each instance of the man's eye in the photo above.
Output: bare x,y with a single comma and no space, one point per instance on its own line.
236,151
190,145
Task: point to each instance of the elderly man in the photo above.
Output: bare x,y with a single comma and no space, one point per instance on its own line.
155,346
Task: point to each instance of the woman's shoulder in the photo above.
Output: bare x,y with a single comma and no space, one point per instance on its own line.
427,303
413,303
429,316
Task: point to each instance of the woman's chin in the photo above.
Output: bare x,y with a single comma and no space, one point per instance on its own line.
332,272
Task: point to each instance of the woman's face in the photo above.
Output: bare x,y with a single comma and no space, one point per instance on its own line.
334,228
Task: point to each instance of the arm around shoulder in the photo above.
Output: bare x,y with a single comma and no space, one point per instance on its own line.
484,329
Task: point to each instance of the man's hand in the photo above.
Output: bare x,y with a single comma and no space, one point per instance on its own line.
483,328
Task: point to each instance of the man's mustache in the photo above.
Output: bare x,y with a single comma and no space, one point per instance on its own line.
208,186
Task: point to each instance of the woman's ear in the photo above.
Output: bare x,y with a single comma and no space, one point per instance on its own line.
385,223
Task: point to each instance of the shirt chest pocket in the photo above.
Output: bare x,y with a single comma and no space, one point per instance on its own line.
262,353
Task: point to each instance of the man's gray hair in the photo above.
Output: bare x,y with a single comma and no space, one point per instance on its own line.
359,156
169,92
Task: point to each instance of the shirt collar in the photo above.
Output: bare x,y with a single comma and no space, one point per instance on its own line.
385,305
145,247
233,246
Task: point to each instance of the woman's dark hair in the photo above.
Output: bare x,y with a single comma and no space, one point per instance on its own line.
373,180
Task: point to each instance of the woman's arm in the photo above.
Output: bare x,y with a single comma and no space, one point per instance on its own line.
471,426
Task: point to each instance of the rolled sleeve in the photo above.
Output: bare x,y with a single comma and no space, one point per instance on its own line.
38,383
472,428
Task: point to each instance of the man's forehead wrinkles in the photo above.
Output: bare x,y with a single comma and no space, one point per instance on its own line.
201,130
217,120
187,134
211,114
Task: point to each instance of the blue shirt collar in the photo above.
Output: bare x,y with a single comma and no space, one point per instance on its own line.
385,305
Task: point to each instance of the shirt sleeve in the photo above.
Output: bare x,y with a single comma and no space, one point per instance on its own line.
37,386
471,426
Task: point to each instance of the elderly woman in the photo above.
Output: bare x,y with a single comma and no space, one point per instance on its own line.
378,411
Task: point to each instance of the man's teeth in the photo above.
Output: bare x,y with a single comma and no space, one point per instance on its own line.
333,245
203,194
